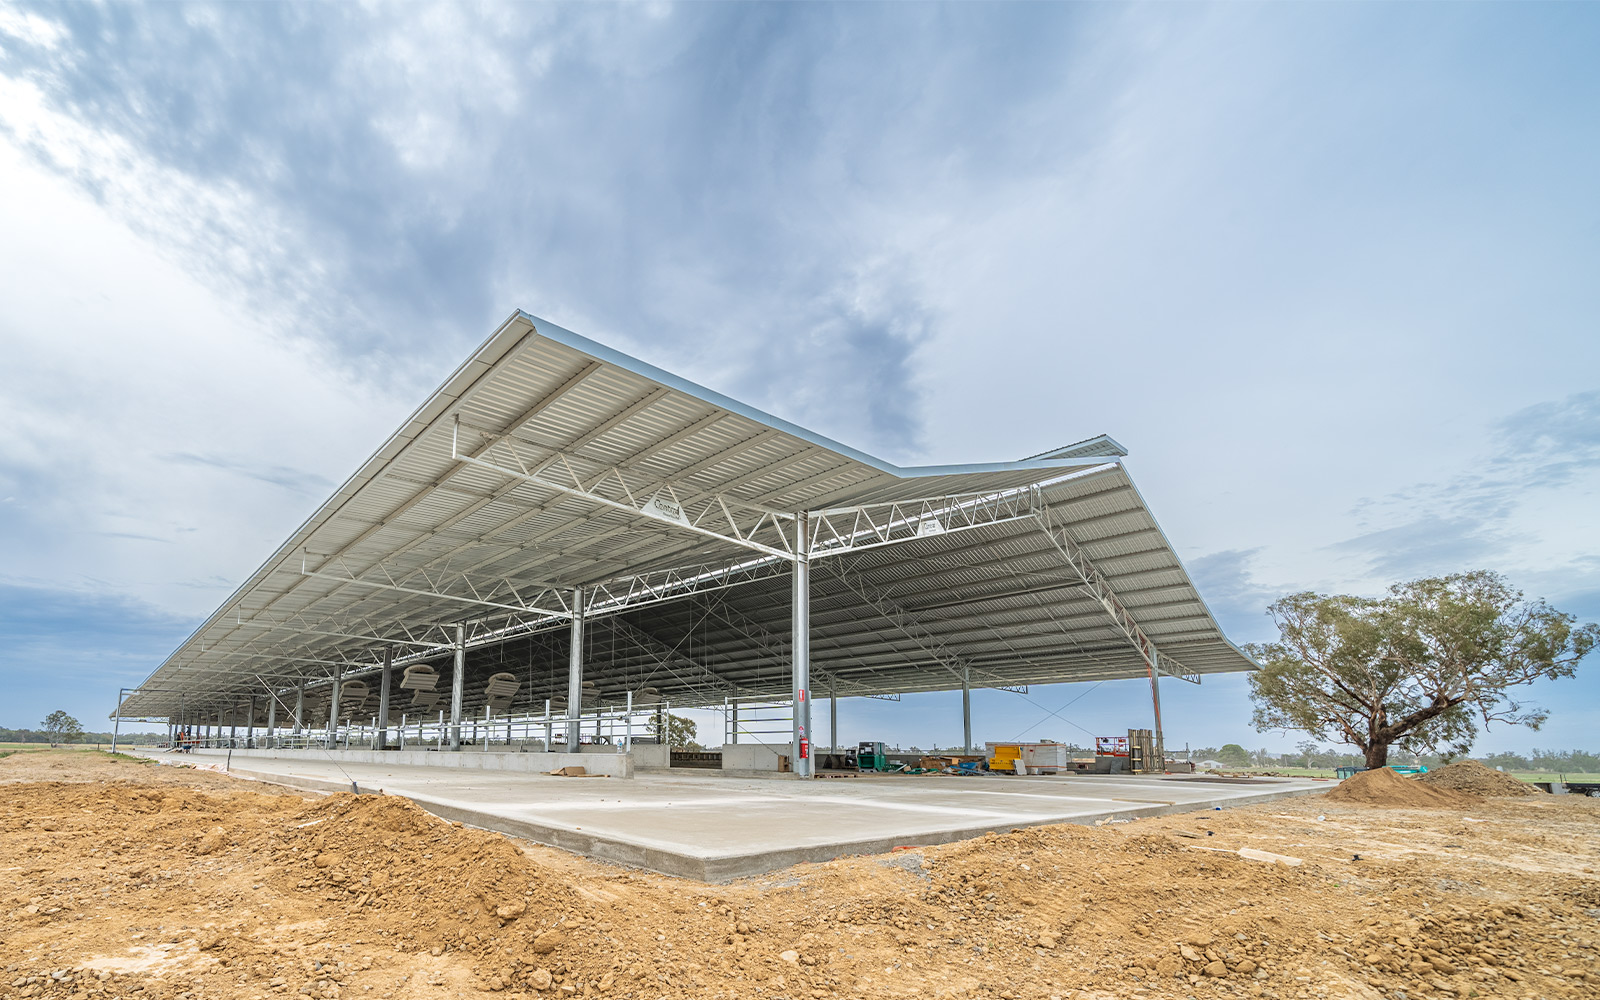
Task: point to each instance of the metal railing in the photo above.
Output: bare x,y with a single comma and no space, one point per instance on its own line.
619,726
749,721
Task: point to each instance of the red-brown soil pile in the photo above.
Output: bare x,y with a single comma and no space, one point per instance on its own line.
1383,787
1475,779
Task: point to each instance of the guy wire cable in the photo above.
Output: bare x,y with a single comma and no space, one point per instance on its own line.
354,788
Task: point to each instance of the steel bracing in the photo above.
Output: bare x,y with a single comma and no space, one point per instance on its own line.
1096,585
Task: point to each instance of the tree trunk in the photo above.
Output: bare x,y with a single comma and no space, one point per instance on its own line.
1377,754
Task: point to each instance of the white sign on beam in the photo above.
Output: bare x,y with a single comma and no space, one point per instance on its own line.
663,507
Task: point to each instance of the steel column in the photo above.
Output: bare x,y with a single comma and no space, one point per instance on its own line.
575,674
272,715
800,646
833,716
333,708
458,687
1155,702
299,707
966,712
383,698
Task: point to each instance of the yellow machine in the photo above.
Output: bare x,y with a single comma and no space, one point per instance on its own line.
1004,756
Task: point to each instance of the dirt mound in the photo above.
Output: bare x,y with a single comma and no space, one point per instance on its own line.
1475,779
384,853
1383,787
185,885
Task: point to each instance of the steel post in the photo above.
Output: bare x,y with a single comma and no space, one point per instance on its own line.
833,716
1155,702
458,687
299,707
272,716
333,708
800,645
116,726
575,674
383,698
966,711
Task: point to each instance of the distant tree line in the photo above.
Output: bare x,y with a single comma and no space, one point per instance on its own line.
44,736
1309,755
1560,761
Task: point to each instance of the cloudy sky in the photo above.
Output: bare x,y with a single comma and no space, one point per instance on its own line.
1329,271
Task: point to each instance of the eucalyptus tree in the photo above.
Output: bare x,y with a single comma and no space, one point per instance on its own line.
1420,668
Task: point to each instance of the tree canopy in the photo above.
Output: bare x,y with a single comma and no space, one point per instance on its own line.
62,727
680,731
1420,668
1234,755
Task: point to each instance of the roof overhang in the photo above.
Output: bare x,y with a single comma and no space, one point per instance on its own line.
548,462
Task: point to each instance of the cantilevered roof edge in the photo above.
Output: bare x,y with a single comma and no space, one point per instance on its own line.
1190,580
506,338
514,333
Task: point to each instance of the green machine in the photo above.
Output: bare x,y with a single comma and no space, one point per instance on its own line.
870,757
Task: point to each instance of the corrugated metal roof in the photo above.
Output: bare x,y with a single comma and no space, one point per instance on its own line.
421,537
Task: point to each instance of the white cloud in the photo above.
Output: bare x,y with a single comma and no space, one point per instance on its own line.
240,245
118,361
438,75
29,28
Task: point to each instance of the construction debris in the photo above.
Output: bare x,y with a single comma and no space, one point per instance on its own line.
1275,859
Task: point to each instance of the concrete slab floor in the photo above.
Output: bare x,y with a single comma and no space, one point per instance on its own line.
714,828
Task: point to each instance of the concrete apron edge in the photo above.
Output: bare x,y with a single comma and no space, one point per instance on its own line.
727,868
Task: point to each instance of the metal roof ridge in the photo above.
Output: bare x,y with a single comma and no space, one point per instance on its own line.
1099,446
644,369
